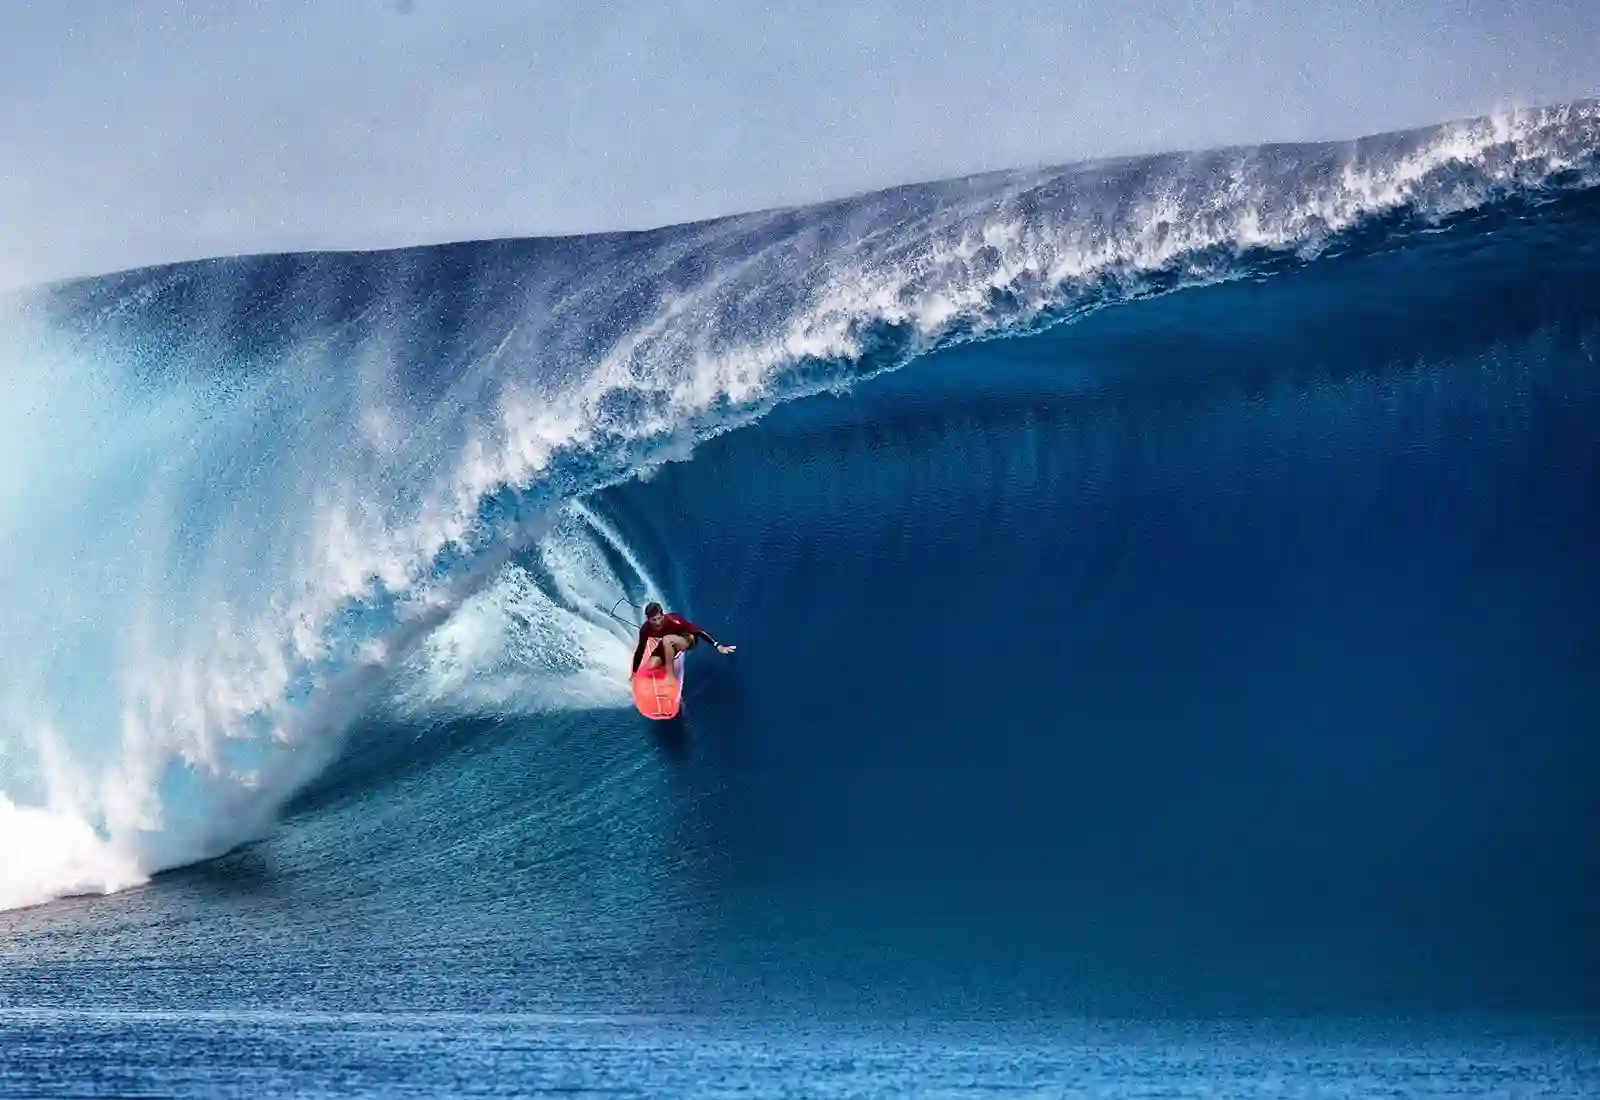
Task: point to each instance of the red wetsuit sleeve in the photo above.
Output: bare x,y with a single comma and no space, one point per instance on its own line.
677,624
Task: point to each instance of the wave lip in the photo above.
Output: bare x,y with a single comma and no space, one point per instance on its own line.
485,385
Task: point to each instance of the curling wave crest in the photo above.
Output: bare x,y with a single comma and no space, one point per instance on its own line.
266,495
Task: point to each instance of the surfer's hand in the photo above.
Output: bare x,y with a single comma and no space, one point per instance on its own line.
726,648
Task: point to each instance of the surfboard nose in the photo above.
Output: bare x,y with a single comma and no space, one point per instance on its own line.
655,694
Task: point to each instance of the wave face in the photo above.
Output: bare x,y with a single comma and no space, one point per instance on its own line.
1207,615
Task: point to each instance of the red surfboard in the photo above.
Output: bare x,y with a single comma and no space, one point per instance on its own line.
656,694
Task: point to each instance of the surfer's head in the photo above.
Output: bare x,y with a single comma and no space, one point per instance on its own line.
653,611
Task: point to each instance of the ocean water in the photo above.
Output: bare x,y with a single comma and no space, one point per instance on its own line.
1167,595
394,1054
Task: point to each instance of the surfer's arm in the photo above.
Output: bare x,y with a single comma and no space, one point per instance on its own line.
684,626
694,630
638,650
706,634
720,647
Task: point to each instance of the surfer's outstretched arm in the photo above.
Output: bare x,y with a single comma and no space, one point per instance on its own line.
706,634
696,631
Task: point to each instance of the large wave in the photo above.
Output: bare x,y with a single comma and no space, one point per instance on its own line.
251,499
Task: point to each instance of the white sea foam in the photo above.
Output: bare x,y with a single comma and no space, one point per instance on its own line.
521,646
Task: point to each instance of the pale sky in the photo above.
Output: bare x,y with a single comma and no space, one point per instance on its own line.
144,131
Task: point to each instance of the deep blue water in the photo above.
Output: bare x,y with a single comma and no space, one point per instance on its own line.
1167,592
395,1054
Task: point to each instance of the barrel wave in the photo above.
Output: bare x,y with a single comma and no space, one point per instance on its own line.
1161,584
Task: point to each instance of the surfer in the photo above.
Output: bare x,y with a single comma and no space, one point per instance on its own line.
677,635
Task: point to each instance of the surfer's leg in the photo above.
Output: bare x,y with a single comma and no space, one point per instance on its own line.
671,646
652,656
